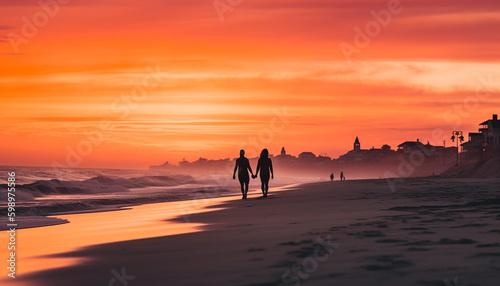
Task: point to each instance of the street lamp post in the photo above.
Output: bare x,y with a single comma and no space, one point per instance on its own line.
458,135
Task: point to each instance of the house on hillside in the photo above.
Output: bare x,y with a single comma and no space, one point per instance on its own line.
432,152
484,144
490,129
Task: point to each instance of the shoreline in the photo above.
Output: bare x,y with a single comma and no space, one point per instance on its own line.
105,204
164,213
90,229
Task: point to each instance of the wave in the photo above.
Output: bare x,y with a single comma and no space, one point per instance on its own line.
102,184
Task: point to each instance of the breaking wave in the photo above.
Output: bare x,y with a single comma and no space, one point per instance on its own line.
102,184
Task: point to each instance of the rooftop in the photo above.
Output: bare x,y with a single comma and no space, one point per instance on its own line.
494,121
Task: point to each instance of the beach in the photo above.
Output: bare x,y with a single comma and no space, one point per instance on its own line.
428,231
250,143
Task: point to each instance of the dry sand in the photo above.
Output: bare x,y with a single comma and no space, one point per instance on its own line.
330,233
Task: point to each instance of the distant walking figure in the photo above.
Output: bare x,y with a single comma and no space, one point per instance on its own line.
243,166
342,178
264,166
331,177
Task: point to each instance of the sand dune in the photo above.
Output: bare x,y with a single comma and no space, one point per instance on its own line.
484,169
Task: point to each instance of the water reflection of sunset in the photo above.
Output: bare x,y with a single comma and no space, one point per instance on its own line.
38,248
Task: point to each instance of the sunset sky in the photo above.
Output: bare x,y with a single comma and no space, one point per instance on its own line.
140,82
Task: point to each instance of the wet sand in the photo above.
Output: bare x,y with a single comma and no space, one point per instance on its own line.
43,248
427,232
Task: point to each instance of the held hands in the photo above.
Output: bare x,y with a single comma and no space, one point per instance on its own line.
254,176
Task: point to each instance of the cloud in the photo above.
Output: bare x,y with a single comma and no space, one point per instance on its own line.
451,30
222,76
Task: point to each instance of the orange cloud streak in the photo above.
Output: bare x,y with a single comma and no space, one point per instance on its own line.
212,85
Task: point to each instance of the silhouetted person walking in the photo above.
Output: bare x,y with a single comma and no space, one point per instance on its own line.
331,177
264,166
342,178
243,166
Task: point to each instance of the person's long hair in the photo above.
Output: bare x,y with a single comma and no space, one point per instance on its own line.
264,154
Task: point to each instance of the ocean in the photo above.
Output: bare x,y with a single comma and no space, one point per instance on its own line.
42,192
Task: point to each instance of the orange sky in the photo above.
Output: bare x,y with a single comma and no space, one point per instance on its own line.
173,80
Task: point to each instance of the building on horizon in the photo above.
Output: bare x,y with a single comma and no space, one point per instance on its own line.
358,155
284,156
307,156
408,147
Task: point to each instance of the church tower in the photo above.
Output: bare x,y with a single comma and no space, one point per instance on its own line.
357,145
283,152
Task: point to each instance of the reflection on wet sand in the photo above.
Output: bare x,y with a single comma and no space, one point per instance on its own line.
38,247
